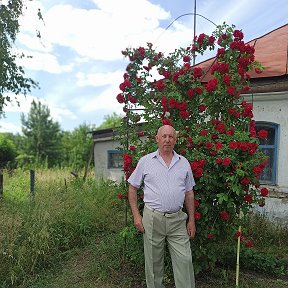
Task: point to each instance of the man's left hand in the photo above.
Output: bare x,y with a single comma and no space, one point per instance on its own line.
191,229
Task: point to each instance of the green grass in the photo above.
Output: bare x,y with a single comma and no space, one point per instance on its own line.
69,236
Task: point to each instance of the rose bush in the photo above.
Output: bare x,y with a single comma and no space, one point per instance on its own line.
216,130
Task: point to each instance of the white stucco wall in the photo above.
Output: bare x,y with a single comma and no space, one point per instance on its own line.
101,159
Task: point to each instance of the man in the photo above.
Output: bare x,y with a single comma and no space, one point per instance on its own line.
167,183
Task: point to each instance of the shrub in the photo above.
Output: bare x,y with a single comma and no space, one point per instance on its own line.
216,130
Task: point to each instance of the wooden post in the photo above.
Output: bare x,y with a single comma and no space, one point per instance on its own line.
32,182
1,186
238,258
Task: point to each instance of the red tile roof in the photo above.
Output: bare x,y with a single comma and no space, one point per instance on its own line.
271,50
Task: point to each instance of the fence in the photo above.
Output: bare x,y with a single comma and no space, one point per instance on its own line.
32,184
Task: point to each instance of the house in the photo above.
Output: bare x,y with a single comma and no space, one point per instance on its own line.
269,96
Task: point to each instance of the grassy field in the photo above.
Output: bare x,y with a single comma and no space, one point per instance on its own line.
68,235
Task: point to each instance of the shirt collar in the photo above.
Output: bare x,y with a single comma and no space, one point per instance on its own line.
157,155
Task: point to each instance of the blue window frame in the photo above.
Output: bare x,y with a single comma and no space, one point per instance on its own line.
270,147
115,159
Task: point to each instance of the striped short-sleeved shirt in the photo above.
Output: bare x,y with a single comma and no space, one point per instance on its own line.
164,187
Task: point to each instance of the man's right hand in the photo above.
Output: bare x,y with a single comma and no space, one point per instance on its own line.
138,223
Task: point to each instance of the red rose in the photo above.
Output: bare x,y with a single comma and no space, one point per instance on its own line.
224,215
237,234
257,170
189,139
231,90
218,161
194,165
197,72
245,181
220,127
197,215
132,99
182,151
211,85
209,145
210,236
226,162
182,105
196,203
264,192
249,243
127,83
227,80
218,145
198,172
202,108
190,93
160,86
186,58
120,196
132,147
203,132
166,121
120,98
172,103
262,134
184,114
248,198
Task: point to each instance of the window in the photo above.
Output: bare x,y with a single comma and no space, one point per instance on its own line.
269,147
115,159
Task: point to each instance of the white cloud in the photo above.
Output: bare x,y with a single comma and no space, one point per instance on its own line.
6,126
97,33
56,112
43,62
99,79
103,101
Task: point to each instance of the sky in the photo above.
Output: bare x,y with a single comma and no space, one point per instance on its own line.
78,61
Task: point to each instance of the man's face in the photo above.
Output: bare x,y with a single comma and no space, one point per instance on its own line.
166,138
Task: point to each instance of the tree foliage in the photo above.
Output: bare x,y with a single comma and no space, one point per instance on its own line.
111,121
216,130
77,146
42,135
8,152
12,76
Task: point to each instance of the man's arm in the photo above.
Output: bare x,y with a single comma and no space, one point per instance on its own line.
132,197
189,205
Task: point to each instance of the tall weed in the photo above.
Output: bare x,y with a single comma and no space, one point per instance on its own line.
34,232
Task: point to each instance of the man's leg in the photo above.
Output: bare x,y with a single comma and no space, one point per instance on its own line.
154,243
180,251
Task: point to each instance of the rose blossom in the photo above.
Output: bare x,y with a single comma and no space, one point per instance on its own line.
264,192
226,162
197,215
224,215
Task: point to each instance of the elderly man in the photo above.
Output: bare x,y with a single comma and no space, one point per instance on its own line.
168,184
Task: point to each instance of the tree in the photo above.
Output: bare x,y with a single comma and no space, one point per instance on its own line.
77,146
111,121
8,152
12,76
42,135
216,130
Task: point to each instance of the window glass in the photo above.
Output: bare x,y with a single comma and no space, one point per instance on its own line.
115,159
267,173
269,147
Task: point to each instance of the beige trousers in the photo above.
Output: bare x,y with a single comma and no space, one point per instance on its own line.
171,228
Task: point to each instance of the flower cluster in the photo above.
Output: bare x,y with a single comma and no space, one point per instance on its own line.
216,130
